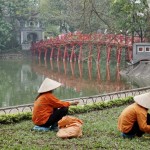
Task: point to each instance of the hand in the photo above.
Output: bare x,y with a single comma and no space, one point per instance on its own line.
74,103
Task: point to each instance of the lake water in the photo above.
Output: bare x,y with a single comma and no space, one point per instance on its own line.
20,79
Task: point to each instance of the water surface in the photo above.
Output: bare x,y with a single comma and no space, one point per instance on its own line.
20,79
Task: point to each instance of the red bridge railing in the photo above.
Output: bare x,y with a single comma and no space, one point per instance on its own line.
70,46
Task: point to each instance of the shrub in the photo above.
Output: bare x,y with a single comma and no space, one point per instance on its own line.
14,118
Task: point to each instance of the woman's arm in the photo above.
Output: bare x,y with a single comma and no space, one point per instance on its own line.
74,103
142,121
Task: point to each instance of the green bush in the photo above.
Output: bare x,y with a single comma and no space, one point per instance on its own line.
14,118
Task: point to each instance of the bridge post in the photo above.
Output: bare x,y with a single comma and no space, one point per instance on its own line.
90,53
119,49
45,49
39,53
108,40
58,53
72,53
80,54
51,54
98,53
130,53
108,49
117,73
65,53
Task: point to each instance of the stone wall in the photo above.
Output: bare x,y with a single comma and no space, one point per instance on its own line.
138,74
18,55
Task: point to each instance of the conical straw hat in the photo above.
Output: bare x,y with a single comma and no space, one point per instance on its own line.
143,100
48,85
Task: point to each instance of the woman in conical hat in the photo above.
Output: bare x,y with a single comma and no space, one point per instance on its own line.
135,119
48,109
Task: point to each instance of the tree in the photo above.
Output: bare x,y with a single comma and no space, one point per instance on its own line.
130,16
5,27
11,14
71,15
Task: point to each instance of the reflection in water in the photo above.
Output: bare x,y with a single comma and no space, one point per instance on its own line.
72,65
65,67
98,72
90,69
51,62
80,65
84,79
19,81
107,72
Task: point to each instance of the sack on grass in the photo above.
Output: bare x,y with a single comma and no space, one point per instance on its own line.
70,127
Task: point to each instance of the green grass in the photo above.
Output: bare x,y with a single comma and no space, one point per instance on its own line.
99,132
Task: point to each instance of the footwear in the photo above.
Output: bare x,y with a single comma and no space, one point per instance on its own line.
127,136
54,127
38,128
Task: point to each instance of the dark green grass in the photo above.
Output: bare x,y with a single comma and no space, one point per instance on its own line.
99,132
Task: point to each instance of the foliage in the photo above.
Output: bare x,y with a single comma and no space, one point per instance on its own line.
87,16
5,27
130,16
11,13
100,105
94,15
51,12
63,16
14,117
6,119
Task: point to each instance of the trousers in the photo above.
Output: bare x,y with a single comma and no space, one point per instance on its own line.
58,113
136,130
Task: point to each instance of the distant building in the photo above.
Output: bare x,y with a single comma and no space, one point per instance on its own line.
31,31
141,51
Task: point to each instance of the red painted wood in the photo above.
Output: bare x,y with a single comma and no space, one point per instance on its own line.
76,39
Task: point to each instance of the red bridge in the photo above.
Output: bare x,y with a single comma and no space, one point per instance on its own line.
73,46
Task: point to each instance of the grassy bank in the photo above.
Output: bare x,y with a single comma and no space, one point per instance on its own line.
99,132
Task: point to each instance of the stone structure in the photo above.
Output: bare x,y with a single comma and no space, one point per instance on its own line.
141,51
30,31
